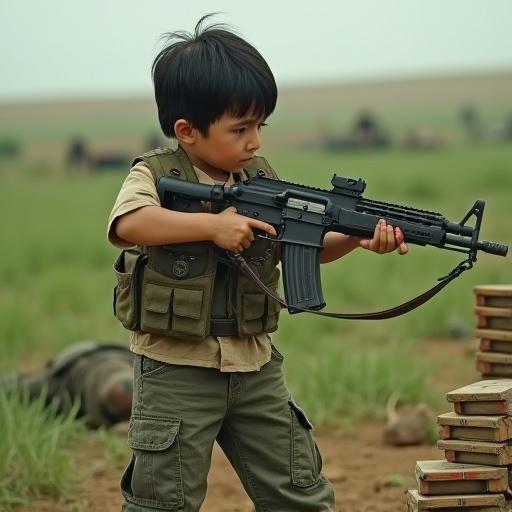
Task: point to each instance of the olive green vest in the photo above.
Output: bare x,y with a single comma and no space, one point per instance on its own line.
187,290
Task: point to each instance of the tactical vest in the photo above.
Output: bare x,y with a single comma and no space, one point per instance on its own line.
187,290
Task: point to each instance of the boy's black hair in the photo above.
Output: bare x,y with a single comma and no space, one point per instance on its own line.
201,76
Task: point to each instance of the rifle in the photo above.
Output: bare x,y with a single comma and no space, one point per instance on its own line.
302,215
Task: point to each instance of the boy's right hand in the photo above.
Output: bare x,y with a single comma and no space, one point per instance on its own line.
234,232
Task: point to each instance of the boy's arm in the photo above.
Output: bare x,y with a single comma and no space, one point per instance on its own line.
154,225
385,239
138,219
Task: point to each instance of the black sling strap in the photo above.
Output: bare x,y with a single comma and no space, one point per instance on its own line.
401,309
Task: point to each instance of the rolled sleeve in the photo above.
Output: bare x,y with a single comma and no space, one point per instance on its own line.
137,191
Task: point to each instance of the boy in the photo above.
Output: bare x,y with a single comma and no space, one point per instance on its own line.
205,368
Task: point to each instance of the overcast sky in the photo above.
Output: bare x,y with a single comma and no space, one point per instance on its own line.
66,48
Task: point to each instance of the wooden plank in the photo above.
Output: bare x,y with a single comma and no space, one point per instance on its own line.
494,318
484,390
493,290
493,322
473,434
494,357
494,302
476,452
444,488
475,446
488,345
417,502
494,370
494,296
485,408
440,470
494,334
494,312
474,428
440,477
488,459
494,364
451,418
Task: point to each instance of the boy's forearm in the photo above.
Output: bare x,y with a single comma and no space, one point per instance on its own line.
153,225
337,245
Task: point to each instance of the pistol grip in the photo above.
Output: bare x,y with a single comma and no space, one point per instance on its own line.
301,277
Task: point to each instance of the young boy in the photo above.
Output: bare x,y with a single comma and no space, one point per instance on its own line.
205,368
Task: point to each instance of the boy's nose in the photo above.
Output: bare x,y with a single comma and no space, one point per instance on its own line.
255,142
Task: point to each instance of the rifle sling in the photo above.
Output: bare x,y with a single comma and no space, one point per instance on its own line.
401,309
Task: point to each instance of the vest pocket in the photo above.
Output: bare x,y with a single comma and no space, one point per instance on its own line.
156,315
253,311
305,460
127,269
258,312
273,309
154,476
187,306
175,308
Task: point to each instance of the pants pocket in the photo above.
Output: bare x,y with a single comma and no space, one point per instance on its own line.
305,458
154,477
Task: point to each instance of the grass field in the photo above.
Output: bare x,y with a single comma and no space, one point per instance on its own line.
55,270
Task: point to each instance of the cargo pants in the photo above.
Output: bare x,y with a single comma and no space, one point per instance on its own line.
179,412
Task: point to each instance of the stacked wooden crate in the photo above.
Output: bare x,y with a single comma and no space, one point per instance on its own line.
477,441
494,329
477,436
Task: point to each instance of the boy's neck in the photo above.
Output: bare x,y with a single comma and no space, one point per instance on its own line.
214,173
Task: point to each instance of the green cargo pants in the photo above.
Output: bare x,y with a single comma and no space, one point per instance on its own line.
178,413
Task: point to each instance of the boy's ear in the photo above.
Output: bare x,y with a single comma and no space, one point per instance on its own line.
185,132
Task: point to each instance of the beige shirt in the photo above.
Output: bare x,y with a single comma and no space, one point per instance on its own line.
228,354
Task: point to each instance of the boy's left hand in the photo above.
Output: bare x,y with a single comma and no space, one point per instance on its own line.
385,239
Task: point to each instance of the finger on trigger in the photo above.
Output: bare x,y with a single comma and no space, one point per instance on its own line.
263,226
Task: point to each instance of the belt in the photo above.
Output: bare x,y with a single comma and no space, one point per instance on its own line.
223,327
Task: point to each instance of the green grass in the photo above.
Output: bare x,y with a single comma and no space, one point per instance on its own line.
339,385
35,451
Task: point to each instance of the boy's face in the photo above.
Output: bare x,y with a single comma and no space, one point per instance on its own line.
230,145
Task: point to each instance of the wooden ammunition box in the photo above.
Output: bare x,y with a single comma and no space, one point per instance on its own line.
491,397
416,502
494,364
494,318
494,334
440,477
494,295
476,452
474,428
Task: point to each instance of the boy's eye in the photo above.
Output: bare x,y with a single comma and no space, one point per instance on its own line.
261,125
239,131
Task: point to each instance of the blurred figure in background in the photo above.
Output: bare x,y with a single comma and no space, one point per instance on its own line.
367,132
76,154
98,375
470,119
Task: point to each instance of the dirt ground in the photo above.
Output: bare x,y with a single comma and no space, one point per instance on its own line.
367,475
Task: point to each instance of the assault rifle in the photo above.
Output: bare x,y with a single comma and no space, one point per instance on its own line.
302,215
